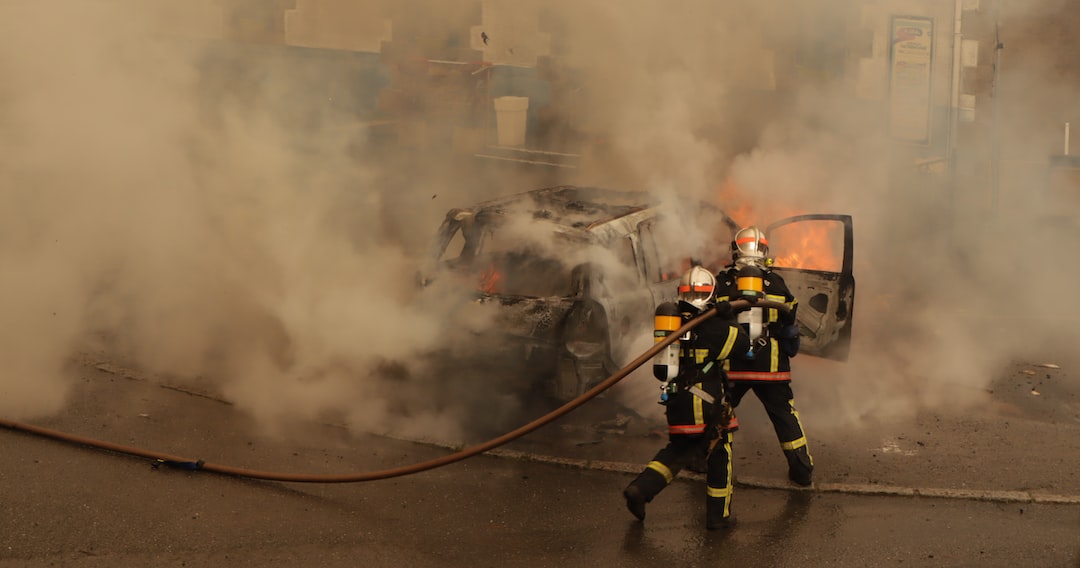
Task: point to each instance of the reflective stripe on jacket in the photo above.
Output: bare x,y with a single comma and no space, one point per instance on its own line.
759,376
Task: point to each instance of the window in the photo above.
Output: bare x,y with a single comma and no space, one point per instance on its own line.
659,266
809,245
626,270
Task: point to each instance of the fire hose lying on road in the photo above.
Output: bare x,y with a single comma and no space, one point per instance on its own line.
200,465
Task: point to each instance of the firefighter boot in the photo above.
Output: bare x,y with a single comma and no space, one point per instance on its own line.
717,514
800,466
642,490
635,501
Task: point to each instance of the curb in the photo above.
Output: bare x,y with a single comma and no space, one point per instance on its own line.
995,496
845,488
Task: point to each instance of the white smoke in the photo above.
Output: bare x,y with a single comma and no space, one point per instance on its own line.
207,223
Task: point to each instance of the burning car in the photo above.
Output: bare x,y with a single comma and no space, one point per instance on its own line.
569,276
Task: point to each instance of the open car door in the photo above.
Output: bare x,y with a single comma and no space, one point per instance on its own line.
814,254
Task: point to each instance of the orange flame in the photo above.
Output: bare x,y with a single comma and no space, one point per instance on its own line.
810,246
490,279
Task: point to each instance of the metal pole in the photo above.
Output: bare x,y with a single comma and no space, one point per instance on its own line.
1066,138
995,157
957,68
954,117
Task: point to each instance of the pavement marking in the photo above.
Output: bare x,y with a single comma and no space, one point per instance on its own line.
752,482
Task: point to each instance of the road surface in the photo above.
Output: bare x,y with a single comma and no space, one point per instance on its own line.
936,497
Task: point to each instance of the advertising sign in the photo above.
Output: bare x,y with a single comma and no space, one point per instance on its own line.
911,56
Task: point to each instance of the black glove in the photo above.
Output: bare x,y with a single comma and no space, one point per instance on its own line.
789,331
724,311
788,339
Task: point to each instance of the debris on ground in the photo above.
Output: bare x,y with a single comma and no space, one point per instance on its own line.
616,425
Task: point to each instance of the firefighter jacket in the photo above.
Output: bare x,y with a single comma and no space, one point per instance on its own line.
776,340
696,399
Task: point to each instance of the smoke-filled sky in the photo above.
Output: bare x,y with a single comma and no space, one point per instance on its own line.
157,210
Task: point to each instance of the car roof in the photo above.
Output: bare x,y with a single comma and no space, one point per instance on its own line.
575,207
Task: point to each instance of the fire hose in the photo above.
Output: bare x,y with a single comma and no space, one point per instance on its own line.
200,465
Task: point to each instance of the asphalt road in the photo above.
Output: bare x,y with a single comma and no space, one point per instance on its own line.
949,491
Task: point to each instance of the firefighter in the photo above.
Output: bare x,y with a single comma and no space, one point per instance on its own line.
774,339
694,394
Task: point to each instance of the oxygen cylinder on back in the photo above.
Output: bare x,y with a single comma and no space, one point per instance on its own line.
666,362
750,280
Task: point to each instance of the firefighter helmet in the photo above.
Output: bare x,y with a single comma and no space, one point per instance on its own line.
750,246
697,287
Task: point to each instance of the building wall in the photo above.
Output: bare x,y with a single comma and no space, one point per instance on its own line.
437,64
344,25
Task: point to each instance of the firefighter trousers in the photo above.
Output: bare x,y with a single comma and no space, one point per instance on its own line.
671,459
779,403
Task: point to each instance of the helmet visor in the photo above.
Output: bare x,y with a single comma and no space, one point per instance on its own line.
697,294
752,246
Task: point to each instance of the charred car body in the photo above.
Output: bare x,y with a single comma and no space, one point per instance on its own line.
569,276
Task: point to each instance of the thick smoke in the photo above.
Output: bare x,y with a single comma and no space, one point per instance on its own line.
204,219
939,310
940,306
193,229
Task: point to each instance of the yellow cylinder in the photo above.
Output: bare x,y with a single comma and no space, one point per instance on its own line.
664,326
750,281
666,362
750,284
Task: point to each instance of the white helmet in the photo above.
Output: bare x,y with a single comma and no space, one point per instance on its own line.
750,247
697,287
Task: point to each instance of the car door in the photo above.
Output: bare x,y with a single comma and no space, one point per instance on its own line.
814,254
630,303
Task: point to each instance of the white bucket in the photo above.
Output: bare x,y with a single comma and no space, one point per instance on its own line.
510,115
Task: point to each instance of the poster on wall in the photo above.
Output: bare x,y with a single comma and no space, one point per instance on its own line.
911,56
